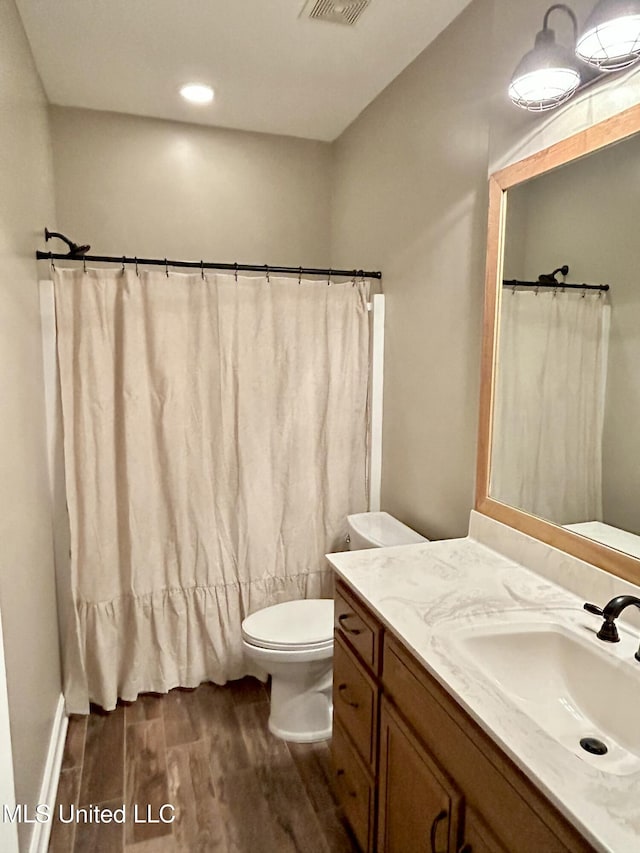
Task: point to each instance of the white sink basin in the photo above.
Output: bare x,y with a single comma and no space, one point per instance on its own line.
570,683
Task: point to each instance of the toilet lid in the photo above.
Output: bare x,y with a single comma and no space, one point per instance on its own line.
304,623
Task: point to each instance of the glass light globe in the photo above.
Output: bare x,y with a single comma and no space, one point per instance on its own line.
610,44
544,89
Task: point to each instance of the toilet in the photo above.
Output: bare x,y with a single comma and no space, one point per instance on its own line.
293,642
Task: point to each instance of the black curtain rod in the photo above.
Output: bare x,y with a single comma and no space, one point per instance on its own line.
208,265
559,284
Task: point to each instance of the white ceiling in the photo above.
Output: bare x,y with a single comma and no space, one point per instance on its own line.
272,70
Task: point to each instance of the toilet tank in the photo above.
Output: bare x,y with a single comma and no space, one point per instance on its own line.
379,530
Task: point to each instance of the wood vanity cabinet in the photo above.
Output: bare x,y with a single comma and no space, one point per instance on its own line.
413,771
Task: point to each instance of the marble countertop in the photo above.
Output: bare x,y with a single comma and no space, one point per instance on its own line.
425,592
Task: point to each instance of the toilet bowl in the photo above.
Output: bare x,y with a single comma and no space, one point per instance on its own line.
293,642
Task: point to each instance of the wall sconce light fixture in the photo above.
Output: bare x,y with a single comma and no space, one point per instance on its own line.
549,74
610,39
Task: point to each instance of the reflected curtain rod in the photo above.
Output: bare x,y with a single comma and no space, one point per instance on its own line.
209,265
558,285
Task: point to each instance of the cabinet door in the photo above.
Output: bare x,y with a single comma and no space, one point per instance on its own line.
477,837
418,805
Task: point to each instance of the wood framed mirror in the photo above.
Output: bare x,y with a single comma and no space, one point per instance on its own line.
574,181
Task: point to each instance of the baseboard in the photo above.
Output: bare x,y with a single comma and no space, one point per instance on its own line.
42,831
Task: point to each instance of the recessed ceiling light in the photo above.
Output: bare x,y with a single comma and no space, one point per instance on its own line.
197,93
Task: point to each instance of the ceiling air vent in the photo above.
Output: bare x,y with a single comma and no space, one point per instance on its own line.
338,11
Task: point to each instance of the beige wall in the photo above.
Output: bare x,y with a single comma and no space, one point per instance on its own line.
410,198
27,594
139,186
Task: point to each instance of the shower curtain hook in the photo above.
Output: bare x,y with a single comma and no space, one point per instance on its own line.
201,269
53,266
584,292
235,267
299,276
266,267
122,265
84,265
137,273
353,280
537,289
329,279
166,267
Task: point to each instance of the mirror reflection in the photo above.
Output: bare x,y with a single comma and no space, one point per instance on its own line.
566,423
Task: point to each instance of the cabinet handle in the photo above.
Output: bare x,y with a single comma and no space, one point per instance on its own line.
349,791
434,828
343,618
341,689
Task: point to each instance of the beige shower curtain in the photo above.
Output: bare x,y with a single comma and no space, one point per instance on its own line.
549,410
214,442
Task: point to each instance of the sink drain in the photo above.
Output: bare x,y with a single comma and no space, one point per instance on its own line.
593,745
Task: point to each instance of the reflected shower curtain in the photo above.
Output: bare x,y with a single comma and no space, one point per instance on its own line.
214,442
549,404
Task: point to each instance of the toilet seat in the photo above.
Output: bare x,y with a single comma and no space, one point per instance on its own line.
304,625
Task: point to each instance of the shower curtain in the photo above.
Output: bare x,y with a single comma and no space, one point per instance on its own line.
549,404
214,443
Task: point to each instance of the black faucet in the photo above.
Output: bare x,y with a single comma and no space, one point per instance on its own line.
610,612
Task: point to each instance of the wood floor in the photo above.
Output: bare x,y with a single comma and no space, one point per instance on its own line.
208,753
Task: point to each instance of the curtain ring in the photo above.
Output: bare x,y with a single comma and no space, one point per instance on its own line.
537,289
53,266
137,273
329,279
235,267
299,276
266,268
166,267
201,269
122,270
353,280
584,292
84,265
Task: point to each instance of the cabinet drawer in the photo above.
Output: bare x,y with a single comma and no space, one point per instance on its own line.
353,787
514,810
355,700
357,626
